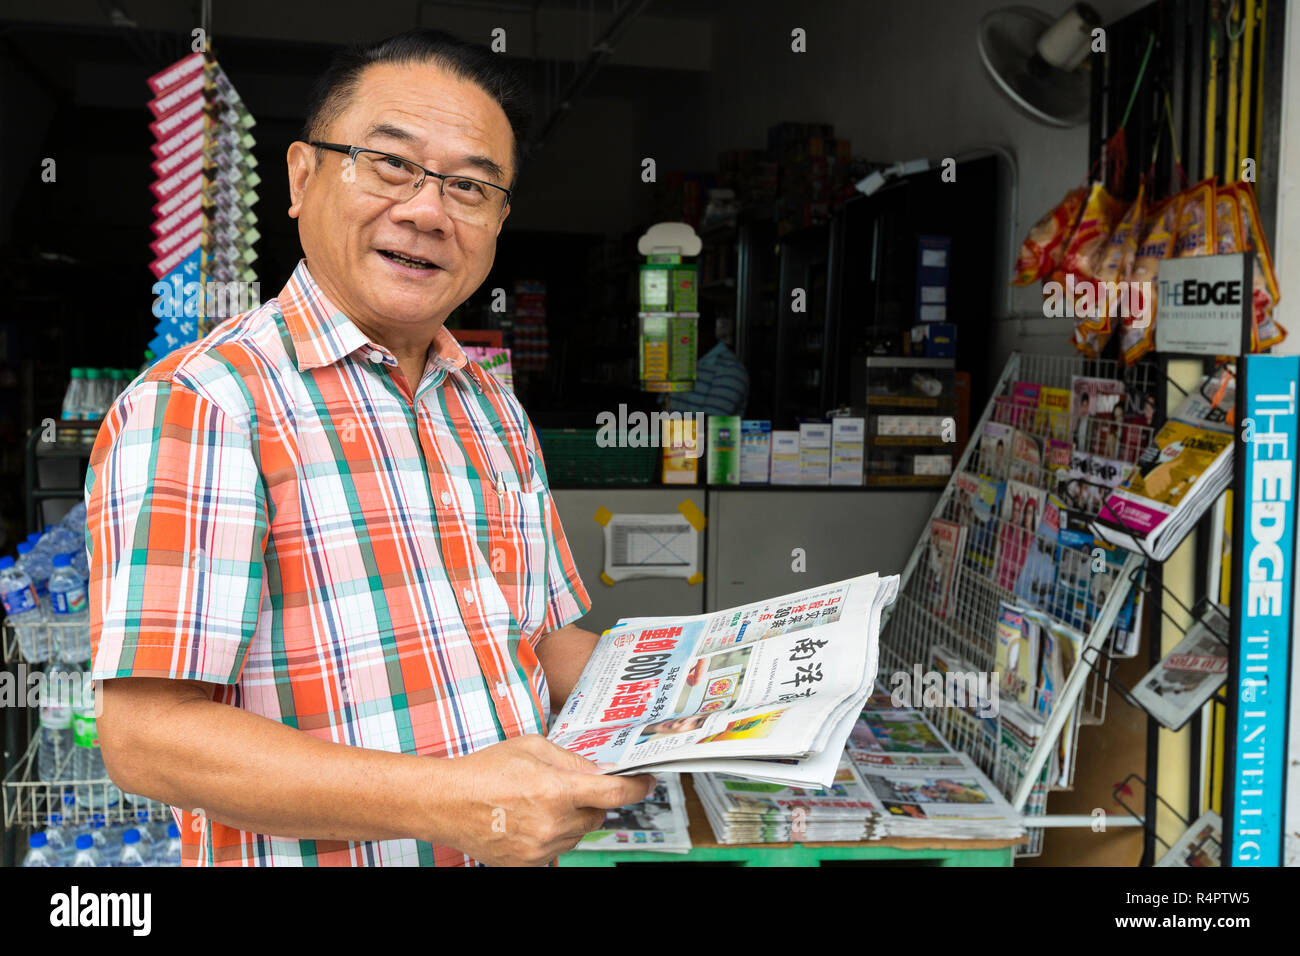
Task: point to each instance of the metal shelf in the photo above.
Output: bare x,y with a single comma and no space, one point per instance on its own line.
907,361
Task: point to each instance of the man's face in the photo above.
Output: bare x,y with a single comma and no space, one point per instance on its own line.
422,113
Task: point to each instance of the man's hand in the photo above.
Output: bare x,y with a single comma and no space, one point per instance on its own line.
525,801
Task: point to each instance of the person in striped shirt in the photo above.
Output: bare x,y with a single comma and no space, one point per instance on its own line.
332,605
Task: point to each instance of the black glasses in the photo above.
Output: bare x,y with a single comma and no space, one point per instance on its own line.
471,201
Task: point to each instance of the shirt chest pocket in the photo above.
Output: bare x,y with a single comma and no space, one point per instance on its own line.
518,529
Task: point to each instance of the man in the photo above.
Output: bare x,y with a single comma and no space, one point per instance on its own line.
332,601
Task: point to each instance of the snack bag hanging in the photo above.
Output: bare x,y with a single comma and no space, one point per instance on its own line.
1266,331
1087,246
1116,263
1228,232
1195,232
1137,331
1043,248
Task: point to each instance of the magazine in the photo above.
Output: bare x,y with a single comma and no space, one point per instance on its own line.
1180,474
1096,415
1037,580
1054,413
995,449
656,824
1026,458
1176,688
1199,846
768,690
947,541
1022,508
1017,636
986,507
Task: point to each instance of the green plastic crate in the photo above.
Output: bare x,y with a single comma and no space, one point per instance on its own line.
574,458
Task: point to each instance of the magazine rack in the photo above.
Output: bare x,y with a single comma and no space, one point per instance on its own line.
1090,603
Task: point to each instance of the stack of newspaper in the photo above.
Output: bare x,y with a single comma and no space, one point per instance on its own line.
919,786
1179,475
657,824
750,811
767,691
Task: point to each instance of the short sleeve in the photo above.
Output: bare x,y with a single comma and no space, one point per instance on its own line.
176,529
566,597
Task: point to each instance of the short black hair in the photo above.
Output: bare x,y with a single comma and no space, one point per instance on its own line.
468,61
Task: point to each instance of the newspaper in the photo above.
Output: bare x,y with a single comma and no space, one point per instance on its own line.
1183,681
656,824
767,691
1199,846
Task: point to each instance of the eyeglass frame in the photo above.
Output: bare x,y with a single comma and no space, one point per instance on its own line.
352,152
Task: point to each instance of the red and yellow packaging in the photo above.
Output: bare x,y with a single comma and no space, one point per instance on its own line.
1266,331
1042,250
1087,247
1195,235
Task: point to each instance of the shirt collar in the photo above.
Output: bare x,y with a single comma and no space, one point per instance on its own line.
322,335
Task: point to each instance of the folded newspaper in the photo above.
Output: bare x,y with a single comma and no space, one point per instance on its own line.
1179,475
658,824
767,691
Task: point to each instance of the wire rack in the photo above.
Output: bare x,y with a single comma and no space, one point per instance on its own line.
1066,586
28,801
48,640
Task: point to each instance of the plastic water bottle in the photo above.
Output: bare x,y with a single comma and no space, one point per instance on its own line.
87,853
148,838
75,519
89,762
133,852
70,603
36,565
171,854
23,610
56,745
40,854
74,396
59,837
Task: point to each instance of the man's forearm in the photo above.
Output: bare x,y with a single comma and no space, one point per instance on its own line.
563,653
258,775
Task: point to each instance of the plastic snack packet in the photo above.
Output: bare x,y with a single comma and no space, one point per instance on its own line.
1195,232
1042,250
1267,331
1137,332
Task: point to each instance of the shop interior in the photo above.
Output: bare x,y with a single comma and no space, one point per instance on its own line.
824,155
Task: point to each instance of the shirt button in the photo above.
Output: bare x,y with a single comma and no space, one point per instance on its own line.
445,498
469,596
501,688
376,357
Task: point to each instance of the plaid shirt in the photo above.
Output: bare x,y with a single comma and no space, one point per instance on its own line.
268,511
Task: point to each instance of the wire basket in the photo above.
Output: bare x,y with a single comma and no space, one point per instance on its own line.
573,457
52,639
28,801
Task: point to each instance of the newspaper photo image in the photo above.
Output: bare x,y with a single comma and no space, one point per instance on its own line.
658,824
768,691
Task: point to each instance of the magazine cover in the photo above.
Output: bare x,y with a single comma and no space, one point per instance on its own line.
960,508
1022,509
947,541
1026,458
1176,688
1017,653
1025,397
1054,413
984,527
995,449
1096,414
1074,486
1037,578
1139,419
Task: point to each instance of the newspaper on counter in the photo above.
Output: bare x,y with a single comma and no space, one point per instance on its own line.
656,824
767,691
750,811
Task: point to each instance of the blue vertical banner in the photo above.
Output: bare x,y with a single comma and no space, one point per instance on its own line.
1262,599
